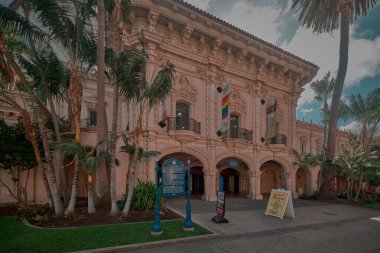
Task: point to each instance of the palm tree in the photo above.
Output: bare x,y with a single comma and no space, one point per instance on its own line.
359,161
88,160
323,90
146,95
118,65
323,16
365,111
118,13
135,155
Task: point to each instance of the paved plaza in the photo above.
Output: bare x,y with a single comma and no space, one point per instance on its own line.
318,227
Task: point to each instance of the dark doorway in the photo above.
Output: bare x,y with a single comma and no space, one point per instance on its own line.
197,180
230,180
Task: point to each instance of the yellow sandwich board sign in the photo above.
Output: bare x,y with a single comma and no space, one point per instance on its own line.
280,204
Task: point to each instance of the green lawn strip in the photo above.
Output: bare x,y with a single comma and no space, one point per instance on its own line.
17,237
373,206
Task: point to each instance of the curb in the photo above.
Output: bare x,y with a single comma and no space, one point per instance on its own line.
121,248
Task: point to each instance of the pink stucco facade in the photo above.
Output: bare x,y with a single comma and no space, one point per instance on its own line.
209,53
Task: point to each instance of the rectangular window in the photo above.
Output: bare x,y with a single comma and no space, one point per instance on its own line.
92,120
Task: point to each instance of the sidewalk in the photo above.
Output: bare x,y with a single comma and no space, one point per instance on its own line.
318,227
247,216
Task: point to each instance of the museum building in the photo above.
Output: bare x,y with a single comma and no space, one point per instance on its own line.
251,147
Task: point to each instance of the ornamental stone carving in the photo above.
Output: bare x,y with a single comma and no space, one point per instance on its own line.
236,103
153,18
183,89
186,35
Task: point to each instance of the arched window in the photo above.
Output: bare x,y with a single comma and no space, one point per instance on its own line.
182,116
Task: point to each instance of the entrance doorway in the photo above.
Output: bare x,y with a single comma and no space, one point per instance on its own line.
230,180
197,180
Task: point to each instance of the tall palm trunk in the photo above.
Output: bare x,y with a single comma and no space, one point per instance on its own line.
76,94
58,207
60,161
328,190
114,207
101,174
360,186
90,196
74,189
132,169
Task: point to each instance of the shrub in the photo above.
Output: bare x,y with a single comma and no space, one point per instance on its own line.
367,199
32,210
143,197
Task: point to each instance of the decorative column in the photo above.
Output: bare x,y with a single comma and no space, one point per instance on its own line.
209,179
258,182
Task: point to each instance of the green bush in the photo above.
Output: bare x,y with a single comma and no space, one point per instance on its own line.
367,199
143,197
33,210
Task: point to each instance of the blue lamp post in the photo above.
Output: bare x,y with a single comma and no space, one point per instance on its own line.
188,224
156,229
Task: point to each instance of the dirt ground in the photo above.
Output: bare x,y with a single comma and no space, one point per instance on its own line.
81,218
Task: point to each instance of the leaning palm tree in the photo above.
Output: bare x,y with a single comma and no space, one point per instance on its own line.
323,90
323,16
88,160
135,155
145,94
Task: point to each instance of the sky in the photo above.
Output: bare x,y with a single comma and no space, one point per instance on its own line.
275,22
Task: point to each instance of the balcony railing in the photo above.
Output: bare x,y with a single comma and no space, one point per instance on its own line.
238,133
180,123
278,139
86,123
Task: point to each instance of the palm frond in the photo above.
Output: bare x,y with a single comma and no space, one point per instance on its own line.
161,85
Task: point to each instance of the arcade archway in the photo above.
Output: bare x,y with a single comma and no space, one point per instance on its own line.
272,177
303,182
197,187
234,173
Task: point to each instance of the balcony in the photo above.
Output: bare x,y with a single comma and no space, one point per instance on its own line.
238,133
87,123
189,124
278,139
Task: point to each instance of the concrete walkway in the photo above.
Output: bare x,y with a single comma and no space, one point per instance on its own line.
318,227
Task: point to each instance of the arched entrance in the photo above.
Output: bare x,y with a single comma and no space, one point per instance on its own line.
272,177
234,173
196,171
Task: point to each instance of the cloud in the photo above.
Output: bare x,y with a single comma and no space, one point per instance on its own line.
306,110
353,126
201,4
323,50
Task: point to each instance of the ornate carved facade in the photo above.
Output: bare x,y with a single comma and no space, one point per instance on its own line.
207,54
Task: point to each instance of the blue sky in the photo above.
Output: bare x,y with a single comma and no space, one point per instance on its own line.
275,22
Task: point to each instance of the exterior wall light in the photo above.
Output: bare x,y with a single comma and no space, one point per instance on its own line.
162,124
262,139
219,89
219,133
262,101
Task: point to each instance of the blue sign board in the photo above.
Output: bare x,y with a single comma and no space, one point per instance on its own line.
221,184
233,163
173,178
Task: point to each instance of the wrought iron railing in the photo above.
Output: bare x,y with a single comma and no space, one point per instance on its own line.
180,123
278,139
86,123
238,133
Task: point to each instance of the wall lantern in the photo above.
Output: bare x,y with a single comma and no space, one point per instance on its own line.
162,124
262,139
219,133
219,89
262,101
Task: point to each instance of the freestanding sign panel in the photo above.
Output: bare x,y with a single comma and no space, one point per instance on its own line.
173,178
280,204
220,204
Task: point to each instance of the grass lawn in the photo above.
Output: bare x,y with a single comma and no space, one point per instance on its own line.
17,237
373,206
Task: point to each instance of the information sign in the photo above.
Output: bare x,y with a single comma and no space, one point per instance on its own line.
220,204
173,178
280,204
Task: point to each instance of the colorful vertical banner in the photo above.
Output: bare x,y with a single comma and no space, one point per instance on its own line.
225,100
